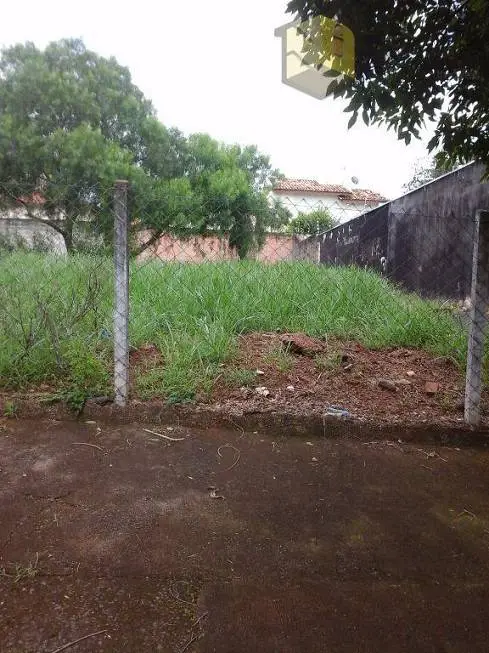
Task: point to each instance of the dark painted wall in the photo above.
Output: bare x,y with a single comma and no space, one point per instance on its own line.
425,236
362,241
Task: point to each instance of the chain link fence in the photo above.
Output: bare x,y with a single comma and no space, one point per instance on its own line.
173,314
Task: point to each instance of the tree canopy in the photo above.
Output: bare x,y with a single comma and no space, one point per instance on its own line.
71,122
417,60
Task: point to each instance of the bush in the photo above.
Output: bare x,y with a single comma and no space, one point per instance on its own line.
312,224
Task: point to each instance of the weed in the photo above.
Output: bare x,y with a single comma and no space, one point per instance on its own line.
328,362
10,409
447,401
238,377
55,312
176,384
280,358
19,572
75,398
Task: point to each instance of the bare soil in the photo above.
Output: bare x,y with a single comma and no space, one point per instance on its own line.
390,386
219,541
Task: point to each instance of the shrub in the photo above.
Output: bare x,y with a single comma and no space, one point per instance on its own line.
312,224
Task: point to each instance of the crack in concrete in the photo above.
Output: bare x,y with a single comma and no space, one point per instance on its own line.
55,499
40,497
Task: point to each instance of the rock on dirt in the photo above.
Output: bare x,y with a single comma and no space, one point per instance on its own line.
337,411
387,384
102,400
299,343
431,388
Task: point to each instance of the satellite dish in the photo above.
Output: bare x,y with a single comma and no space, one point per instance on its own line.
355,180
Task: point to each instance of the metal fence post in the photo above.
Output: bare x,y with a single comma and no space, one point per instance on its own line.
478,318
121,283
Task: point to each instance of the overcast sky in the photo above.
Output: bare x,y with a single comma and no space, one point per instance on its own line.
215,66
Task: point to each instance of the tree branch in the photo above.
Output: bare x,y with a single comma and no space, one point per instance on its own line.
151,241
51,223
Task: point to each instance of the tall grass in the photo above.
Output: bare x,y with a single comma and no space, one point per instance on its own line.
193,314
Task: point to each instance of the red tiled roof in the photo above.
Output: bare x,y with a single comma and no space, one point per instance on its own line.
312,186
366,195
308,186
36,198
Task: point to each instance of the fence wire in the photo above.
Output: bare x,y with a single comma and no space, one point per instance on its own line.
149,308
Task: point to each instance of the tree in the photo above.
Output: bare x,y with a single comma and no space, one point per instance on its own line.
424,172
417,60
231,184
71,122
67,85
313,223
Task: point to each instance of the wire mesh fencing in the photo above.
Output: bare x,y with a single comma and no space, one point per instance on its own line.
150,307
56,286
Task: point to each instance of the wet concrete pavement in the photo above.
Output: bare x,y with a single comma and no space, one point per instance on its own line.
222,541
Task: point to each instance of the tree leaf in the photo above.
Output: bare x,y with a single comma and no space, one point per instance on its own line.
415,60
332,73
352,120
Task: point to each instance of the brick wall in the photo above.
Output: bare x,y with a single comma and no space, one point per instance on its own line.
277,247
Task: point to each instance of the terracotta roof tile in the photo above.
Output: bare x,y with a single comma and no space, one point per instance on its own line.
35,198
312,186
366,195
308,186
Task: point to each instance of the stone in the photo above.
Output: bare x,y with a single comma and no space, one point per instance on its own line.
299,343
337,411
262,391
386,384
102,401
410,373
431,387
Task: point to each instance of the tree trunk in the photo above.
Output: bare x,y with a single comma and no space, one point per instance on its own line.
67,234
151,241
66,230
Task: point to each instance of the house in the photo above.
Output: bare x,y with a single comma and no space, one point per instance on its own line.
422,241
306,195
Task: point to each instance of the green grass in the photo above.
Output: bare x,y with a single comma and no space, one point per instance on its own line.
328,362
279,358
10,409
56,318
237,377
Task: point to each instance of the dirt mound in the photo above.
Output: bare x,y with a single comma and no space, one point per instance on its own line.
298,373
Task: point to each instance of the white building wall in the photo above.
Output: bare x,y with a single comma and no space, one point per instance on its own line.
339,209
18,229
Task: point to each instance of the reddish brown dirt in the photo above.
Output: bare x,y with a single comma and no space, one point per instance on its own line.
300,379
317,544
345,375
